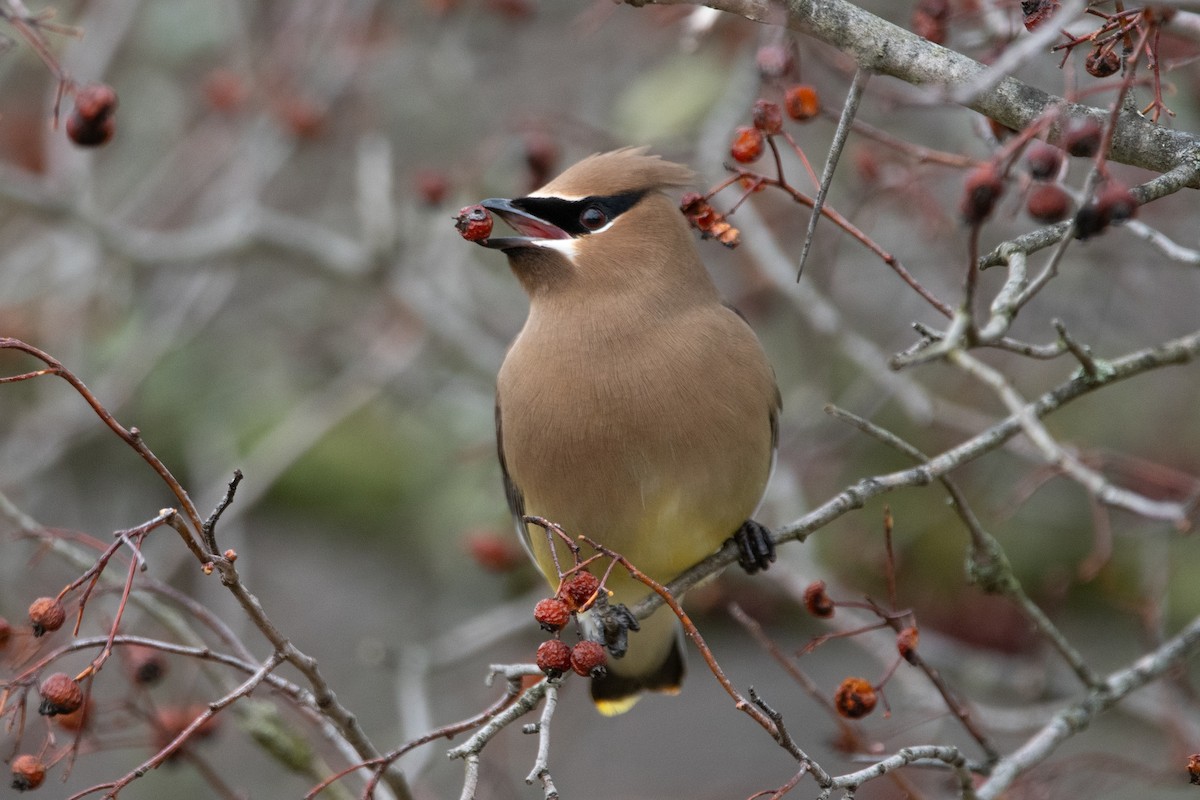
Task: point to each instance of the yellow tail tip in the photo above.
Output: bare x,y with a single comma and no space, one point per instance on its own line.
614,708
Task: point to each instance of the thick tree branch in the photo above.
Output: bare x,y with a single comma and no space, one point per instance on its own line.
1075,718
1177,351
887,49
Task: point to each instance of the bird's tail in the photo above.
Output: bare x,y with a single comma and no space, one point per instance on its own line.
655,663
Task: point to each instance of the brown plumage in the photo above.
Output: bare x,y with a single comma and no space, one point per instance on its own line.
633,406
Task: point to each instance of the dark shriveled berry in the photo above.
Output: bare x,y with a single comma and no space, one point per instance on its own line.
906,643
768,117
46,614
579,590
60,695
1048,202
1089,221
855,698
552,614
817,601
1035,12
589,659
1044,160
93,120
1116,202
554,657
28,772
1082,138
982,189
1101,63
147,666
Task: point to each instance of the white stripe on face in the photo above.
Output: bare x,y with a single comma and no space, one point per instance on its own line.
565,246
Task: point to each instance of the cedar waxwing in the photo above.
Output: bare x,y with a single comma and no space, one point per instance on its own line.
633,406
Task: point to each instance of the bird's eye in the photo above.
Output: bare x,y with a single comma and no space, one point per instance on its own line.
593,218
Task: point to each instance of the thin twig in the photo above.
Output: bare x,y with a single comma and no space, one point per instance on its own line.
849,112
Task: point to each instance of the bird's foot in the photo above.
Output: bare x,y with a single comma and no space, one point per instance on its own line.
756,548
615,624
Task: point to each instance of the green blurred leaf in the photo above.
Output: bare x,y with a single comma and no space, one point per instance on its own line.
670,100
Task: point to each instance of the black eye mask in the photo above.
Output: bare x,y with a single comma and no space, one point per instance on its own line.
579,217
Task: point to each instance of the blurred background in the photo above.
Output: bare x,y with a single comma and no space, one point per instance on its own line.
260,271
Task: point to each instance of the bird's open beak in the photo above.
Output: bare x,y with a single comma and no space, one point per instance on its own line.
531,228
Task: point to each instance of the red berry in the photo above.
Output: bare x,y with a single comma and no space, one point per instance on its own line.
1048,202
1102,62
855,698
588,658
929,20
1082,137
802,102
89,134
1044,160
493,550
554,657
474,223
579,590
690,200
816,601
1089,221
432,186
867,165
60,695
748,143
5,632
1116,202
699,213
225,90
302,116
147,666
906,642
92,121
552,614
1035,12
982,189
46,614
768,117
95,100
170,721
774,61
28,772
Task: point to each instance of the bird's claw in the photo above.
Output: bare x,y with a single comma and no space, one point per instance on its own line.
756,548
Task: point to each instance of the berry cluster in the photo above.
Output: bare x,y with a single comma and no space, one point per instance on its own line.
857,697
555,657
67,702
1047,201
711,223
749,141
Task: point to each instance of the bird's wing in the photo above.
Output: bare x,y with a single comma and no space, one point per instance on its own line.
512,492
